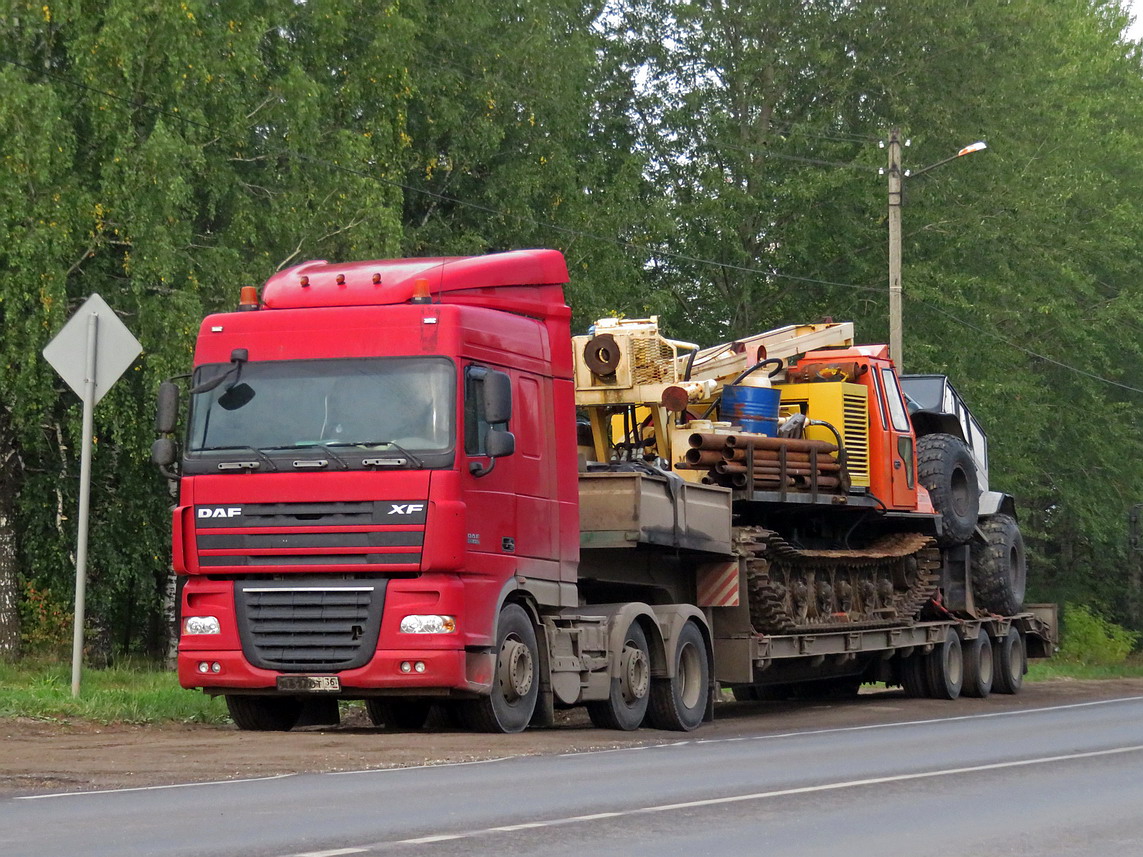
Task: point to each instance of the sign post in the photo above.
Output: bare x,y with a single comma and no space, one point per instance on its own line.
90,365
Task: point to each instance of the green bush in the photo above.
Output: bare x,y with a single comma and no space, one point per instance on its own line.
1089,638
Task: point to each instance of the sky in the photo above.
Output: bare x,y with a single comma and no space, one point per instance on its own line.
1136,9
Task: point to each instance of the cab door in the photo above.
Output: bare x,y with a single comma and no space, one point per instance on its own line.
902,442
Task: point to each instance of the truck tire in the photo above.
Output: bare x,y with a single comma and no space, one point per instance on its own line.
264,713
913,680
978,672
403,714
679,704
1000,569
946,469
626,703
516,681
1011,662
944,669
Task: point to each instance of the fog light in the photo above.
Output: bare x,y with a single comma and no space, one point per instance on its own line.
204,667
406,666
419,666
216,667
430,624
201,625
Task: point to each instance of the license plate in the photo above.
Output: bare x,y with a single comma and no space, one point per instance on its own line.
309,683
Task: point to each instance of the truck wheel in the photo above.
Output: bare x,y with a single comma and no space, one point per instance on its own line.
679,703
945,467
913,677
977,666
1011,660
626,704
264,713
945,669
406,714
516,682
1000,569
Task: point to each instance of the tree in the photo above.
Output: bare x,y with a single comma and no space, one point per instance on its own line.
164,155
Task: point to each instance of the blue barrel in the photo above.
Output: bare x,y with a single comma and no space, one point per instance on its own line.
753,408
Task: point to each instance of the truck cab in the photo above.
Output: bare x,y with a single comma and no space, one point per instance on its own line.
370,467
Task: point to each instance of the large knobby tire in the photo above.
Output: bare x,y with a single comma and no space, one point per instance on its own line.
516,681
404,714
946,469
944,667
626,703
1000,569
679,703
978,672
264,713
1011,662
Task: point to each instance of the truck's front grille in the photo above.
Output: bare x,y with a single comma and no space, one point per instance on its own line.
380,535
309,625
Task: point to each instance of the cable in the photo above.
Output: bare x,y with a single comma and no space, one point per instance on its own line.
1021,348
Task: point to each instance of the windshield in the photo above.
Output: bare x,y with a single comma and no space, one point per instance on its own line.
338,407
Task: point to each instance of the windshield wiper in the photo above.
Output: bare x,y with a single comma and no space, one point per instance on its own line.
324,447
370,443
240,465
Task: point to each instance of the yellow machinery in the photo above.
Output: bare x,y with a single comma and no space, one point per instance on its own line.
625,367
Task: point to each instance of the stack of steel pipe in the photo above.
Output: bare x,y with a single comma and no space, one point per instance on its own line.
774,463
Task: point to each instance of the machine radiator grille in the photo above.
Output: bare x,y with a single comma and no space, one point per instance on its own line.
309,625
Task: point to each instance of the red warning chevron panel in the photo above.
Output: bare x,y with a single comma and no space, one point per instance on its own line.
718,584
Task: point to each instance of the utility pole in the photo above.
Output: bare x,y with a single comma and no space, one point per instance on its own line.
897,178
895,187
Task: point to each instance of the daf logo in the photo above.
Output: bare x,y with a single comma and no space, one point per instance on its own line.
220,512
406,508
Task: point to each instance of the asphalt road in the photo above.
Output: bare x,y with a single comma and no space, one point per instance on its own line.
1065,781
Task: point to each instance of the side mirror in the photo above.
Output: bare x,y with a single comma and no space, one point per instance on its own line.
167,409
497,397
164,453
498,444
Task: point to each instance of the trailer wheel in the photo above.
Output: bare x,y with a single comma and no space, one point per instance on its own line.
1011,660
626,703
264,713
1000,570
912,673
978,671
516,682
945,467
679,703
945,669
406,714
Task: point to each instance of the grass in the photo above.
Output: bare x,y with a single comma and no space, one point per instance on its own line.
144,694
132,693
1044,670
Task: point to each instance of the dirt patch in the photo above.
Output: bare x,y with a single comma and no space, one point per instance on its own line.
37,757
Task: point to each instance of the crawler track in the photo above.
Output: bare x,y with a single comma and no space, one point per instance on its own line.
793,590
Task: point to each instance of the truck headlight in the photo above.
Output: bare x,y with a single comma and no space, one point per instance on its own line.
201,625
432,624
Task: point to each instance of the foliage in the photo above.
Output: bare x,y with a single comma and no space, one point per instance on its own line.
715,162
1089,638
45,623
135,693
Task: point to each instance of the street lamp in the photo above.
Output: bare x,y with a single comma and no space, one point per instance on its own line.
896,179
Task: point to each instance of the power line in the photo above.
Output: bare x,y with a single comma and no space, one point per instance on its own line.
1022,349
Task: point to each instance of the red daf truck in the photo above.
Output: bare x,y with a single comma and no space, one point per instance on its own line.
405,482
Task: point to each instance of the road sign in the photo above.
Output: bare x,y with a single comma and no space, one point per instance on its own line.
90,353
116,350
